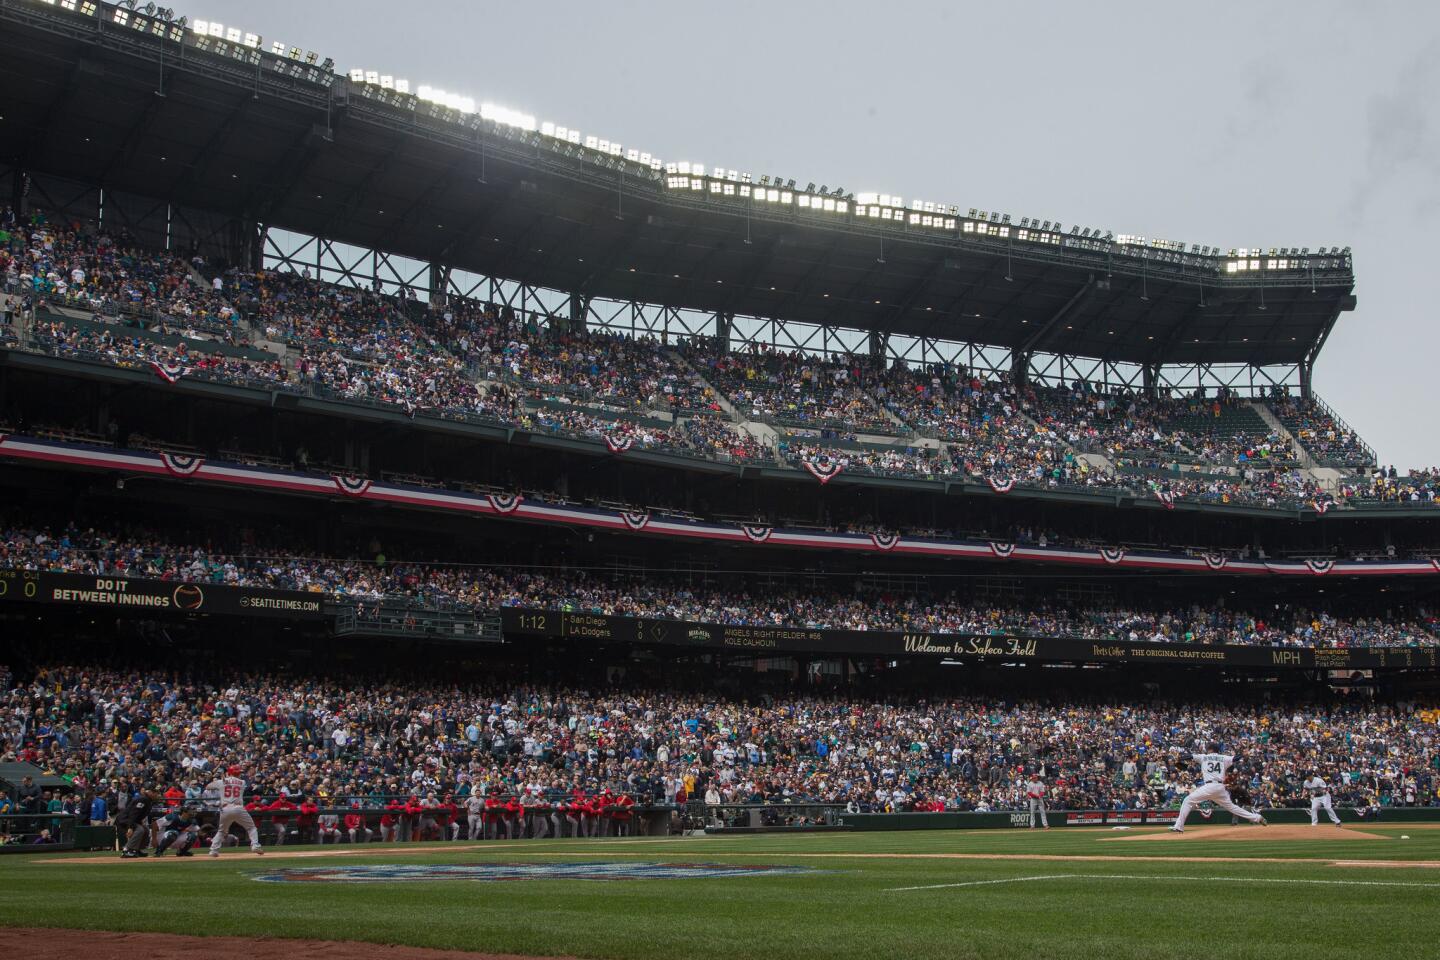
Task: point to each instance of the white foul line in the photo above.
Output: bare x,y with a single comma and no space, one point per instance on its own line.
1142,876
983,883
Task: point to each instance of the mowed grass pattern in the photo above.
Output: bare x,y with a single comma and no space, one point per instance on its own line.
849,907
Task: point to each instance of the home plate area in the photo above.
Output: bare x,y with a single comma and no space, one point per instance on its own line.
496,872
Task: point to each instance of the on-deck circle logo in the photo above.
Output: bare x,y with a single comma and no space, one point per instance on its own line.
495,872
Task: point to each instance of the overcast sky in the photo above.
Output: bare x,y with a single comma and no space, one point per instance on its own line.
1231,125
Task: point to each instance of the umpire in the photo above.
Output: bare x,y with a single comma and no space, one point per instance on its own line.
136,818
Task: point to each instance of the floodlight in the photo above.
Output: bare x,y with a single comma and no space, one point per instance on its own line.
357,75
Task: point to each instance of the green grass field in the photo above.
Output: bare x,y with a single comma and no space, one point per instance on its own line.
1271,898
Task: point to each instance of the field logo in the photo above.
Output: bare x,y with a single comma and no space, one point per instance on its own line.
496,872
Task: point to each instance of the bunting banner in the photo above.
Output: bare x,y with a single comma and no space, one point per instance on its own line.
1164,496
756,533
180,464
241,476
1320,506
410,408
824,472
1001,486
635,519
618,444
504,502
169,372
885,541
352,486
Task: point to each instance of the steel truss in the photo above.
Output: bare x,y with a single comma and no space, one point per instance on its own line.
340,263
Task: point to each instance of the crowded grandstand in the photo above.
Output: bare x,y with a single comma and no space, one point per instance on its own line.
536,551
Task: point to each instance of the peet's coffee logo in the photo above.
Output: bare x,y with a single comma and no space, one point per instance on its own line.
973,647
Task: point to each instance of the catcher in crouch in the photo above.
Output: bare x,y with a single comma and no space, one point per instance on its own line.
1215,772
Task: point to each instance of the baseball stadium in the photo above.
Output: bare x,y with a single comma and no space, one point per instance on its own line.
430,532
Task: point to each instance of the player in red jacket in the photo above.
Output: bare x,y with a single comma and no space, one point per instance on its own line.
514,825
355,826
574,813
410,826
308,821
280,809
390,820
494,808
623,814
447,816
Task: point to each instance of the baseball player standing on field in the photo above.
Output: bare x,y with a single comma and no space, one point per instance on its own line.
228,793
1320,797
1035,792
1213,768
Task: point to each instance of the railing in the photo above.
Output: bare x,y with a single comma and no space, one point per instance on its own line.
763,817
396,620
22,832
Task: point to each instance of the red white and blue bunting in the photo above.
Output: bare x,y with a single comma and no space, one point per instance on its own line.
352,486
618,444
1163,495
885,541
504,502
181,464
250,477
824,471
1320,506
169,372
1001,486
635,519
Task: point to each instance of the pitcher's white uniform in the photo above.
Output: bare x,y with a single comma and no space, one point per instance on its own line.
1320,797
1212,771
229,793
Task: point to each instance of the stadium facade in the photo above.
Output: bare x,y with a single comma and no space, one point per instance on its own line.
801,317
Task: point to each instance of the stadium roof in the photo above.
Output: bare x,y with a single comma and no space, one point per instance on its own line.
276,139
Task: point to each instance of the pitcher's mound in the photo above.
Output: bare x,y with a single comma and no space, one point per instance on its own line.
1280,831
